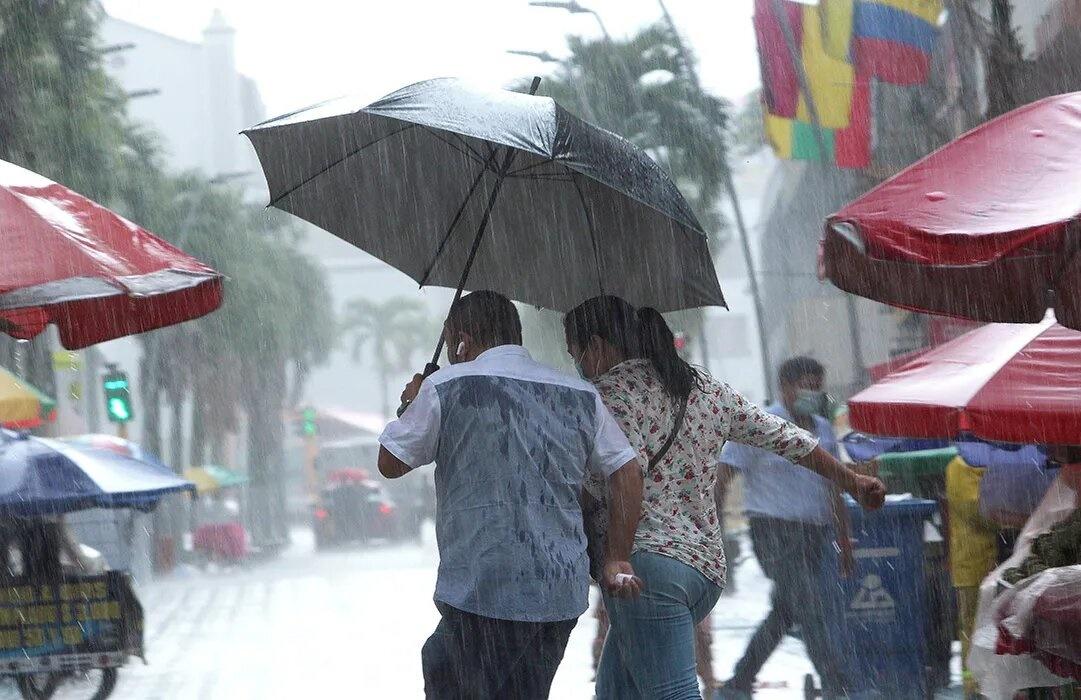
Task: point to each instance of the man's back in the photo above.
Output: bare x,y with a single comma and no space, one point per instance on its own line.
512,440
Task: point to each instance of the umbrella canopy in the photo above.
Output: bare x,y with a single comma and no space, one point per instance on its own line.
47,477
210,477
1016,383
21,405
415,178
985,228
112,443
96,275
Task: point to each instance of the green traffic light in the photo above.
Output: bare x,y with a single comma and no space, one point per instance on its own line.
118,399
118,410
309,428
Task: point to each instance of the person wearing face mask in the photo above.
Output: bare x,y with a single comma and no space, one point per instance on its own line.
794,516
677,417
512,441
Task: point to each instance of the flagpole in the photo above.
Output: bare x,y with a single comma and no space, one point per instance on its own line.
859,366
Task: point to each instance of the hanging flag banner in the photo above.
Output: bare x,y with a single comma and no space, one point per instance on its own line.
780,82
837,17
829,79
793,139
893,39
842,101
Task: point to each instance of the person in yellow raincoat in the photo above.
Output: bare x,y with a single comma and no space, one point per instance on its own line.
972,551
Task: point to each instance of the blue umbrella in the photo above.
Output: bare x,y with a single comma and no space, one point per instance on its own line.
48,477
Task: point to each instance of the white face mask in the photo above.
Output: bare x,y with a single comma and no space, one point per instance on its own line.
460,350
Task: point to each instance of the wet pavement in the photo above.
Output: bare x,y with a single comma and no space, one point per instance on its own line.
350,623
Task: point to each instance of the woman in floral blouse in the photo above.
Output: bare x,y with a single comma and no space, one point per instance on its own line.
630,355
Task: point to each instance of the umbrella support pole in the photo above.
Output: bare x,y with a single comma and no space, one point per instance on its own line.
508,161
482,227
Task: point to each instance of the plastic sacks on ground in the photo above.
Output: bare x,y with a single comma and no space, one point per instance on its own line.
1041,616
1001,676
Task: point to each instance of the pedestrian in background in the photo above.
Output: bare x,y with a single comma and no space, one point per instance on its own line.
794,516
512,441
677,418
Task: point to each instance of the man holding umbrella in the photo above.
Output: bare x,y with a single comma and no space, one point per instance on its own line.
512,440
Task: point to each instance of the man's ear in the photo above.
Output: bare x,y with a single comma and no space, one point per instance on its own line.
465,342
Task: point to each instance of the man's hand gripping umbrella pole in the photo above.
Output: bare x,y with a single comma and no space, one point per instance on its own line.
504,168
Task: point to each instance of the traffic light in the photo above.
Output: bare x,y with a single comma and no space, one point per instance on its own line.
309,428
680,341
118,397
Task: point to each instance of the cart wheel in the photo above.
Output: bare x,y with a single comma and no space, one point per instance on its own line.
810,691
96,684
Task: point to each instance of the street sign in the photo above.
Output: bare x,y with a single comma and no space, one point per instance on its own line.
118,405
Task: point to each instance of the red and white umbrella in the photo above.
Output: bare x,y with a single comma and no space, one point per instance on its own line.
70,261
987,227
1001,382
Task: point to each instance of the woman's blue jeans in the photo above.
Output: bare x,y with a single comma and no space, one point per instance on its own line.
649,652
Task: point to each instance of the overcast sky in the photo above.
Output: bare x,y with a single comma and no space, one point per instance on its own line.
305,52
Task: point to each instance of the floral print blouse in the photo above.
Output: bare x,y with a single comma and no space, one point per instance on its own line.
679,513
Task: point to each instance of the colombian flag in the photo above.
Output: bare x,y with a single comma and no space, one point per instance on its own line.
893,39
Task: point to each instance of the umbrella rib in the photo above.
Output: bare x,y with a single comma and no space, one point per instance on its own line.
338,162
592,232
467,151
546,177
457,217
525,168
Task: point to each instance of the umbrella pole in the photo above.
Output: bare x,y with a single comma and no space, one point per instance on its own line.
482,227
508,160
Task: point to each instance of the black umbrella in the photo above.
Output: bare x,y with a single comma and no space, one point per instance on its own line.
460,186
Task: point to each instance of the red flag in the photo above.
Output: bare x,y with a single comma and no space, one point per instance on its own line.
780,82
852,145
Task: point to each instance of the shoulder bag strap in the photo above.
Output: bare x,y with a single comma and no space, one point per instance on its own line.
671,436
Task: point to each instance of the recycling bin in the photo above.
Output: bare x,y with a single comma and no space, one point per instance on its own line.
880,619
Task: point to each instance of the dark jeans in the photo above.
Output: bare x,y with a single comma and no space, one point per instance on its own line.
470,657
792,554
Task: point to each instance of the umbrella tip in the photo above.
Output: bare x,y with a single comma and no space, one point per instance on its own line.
534,85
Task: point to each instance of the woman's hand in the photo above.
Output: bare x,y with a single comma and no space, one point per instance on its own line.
620,580
868,491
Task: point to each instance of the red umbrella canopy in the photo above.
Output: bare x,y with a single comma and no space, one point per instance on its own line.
97,276
985,228
1002,382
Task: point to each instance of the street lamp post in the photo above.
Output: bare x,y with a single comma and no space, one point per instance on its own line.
573,7
576,8
737,211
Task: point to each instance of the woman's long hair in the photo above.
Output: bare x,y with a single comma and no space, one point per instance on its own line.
641,333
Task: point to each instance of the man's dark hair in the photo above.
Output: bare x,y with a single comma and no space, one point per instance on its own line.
488,316
794,369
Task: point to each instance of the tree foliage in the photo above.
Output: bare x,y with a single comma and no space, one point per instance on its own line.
389,333
61,115
637,87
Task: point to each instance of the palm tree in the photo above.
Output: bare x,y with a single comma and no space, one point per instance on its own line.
392,331
637,87
59,116
252,356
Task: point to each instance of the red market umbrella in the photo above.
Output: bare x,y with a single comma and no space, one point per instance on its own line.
97,276
1001,382
985,228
